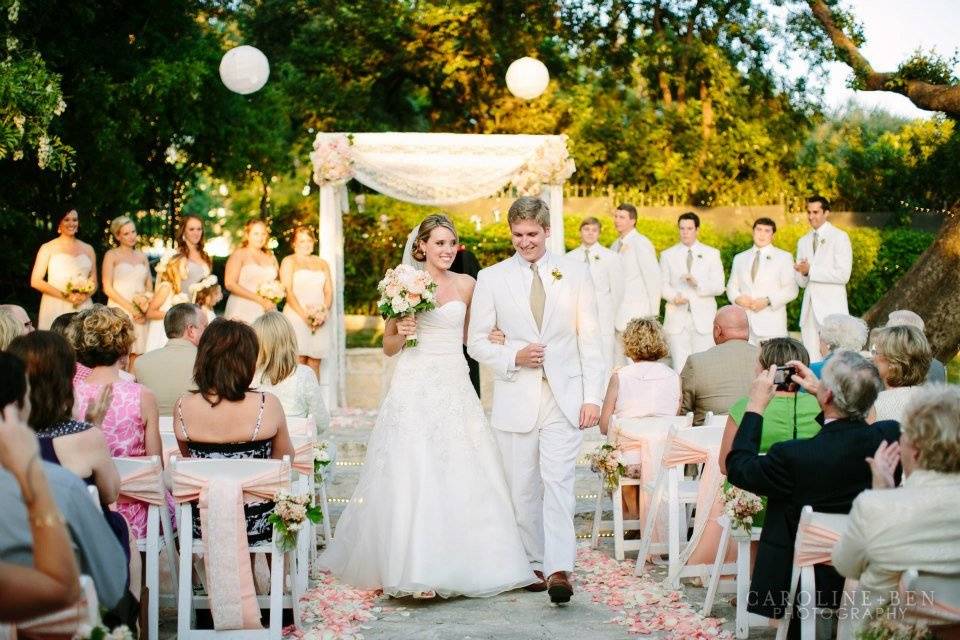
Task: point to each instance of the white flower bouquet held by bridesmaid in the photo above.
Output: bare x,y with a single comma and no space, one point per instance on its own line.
740,506
405,291
272,290
290,514
316,316
81,284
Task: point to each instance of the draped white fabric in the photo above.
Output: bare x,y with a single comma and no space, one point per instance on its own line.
423,168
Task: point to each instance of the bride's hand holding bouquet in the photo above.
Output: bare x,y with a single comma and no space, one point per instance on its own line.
404,291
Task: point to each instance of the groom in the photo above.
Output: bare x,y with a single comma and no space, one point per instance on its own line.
548,384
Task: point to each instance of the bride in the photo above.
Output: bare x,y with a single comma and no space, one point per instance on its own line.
431,514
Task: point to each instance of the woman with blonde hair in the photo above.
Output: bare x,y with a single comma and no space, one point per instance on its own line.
902,356
126,279
171,275
278,372
9,329
306,277
248,269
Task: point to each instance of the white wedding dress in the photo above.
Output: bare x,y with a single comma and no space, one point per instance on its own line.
431,511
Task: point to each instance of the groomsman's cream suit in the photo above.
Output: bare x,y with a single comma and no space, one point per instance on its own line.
606,270
764,272
536,412
826,283
641,283
689,326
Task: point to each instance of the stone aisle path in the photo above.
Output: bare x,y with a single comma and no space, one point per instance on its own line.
609,601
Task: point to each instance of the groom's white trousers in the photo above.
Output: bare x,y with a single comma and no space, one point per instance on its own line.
540,467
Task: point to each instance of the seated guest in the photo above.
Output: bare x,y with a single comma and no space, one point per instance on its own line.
902,356
295,385
77,445
839,331
168,371
790,414
642,389
20,315
914,525
224,418
904,317
22,543
59,327
9,329
51,582
826,471
102,336
716,378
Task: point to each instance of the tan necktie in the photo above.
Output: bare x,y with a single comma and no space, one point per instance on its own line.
816,241
586,255
755,268
689,259
538,297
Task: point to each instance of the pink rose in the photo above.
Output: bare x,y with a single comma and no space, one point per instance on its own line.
413,298
391,291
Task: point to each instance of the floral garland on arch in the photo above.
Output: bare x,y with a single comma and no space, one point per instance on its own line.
332,158
551,164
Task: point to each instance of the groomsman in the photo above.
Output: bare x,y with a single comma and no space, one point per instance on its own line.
824,261
641,275
762,283
691,276
606,269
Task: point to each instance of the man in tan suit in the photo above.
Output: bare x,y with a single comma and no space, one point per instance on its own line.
716,378
168,371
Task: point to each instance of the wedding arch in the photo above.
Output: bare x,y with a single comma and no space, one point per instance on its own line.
435,169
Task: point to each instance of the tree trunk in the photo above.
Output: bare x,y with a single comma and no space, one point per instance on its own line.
664,81
931,288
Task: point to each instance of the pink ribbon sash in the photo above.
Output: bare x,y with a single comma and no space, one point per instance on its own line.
815,543
233,598
303,457
143,485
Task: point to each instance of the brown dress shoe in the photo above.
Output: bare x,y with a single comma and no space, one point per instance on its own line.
537,587
559,588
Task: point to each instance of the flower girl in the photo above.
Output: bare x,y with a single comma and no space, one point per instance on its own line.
207,294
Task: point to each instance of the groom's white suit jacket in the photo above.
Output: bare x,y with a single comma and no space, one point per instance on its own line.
573,363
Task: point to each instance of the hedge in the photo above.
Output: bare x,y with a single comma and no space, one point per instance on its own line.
374,240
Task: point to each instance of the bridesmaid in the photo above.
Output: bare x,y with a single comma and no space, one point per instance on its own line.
250,266
61,260
190,248
126,280
171,274
306,278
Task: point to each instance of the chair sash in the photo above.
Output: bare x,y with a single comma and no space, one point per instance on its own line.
645,451
303,457
930,598
815,543
66,622
143,485
233,599
683,452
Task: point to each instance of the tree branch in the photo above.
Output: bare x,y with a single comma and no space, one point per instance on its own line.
932,97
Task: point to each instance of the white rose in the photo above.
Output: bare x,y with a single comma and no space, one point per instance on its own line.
399,304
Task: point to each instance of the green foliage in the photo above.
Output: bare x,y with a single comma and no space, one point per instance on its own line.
374,242
927,66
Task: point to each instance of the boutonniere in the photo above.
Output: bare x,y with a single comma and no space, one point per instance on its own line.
699,256
596,257
768,257
557,275
821,241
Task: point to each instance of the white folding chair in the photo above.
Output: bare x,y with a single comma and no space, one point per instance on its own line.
169,446
652,432
301,426
136,477
930,598
680,492
277,599
166,424
816,536
744,619
69,621
711,419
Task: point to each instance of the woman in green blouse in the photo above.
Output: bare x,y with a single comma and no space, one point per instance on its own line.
789,416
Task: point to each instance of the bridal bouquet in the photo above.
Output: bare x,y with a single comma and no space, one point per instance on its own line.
321,460
290,514
606,462
81,284
272,290
404,291
882,626
315,317
740,506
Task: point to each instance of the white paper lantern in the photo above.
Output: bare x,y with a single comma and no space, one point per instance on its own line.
527,78
244,69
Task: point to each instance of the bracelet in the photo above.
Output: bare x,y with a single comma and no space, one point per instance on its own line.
47,520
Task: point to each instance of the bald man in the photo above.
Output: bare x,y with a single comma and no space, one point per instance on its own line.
20,315
713,380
